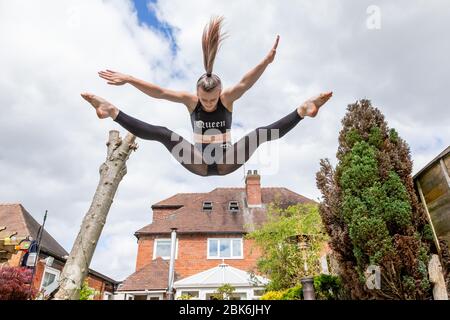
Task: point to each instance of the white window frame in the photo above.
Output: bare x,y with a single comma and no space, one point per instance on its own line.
257,296
159,296
108,296
231,249
237,204
243,295
130,295
164,239
208,209
188,290
50,270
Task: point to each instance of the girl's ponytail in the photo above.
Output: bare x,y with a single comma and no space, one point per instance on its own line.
211,41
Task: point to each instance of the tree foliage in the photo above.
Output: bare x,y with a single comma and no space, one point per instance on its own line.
15,283
86,292
326,287
224,292
370,209
282,261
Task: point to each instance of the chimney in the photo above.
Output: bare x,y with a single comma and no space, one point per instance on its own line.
253,188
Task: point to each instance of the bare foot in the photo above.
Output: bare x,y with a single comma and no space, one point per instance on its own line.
103,108
311,107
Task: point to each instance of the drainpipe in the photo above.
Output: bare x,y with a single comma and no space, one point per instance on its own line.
170,292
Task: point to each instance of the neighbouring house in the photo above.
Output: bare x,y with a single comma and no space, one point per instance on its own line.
18,226
210,249
433,187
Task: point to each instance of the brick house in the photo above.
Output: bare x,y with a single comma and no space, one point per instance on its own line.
17,222
210,249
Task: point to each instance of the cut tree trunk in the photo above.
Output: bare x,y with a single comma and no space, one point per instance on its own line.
437,278
111,173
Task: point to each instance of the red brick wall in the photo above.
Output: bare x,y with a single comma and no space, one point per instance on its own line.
253,189
145,252
161,214
39,273
98,285
145,247
192,254
94,282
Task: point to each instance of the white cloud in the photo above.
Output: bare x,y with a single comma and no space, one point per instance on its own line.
52,144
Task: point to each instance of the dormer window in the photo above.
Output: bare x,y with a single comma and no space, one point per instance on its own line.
233,206
207,205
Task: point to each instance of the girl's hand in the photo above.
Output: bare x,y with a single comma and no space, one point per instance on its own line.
271,56
114,78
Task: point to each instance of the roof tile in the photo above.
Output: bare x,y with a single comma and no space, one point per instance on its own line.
190,217
17,219
153,276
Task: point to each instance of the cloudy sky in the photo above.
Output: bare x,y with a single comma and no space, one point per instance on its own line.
52,144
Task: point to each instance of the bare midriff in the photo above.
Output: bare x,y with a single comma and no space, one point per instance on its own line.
224,137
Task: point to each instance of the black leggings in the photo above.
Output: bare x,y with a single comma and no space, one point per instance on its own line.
214,158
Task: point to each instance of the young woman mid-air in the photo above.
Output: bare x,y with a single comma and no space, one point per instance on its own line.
210,111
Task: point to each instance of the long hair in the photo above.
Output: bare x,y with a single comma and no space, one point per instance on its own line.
211,41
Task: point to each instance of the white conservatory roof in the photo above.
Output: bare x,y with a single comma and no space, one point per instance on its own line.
222,274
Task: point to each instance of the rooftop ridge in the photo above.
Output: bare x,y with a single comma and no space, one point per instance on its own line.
22,217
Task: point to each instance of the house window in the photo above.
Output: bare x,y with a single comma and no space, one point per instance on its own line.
207,205
211,296
50,280
233,206
238,296
233,296
192,294
162,249
230,248
108,296
258,292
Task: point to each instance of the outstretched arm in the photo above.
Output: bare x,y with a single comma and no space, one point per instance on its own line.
154,91
235,92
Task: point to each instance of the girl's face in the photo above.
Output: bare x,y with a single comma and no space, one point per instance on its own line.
209,99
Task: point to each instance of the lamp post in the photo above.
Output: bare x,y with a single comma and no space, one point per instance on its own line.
307,282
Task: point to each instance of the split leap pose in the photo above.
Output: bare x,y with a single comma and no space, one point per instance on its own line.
210,111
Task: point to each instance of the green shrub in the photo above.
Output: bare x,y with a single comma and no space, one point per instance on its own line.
273,295
86,292
294,293
327,287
